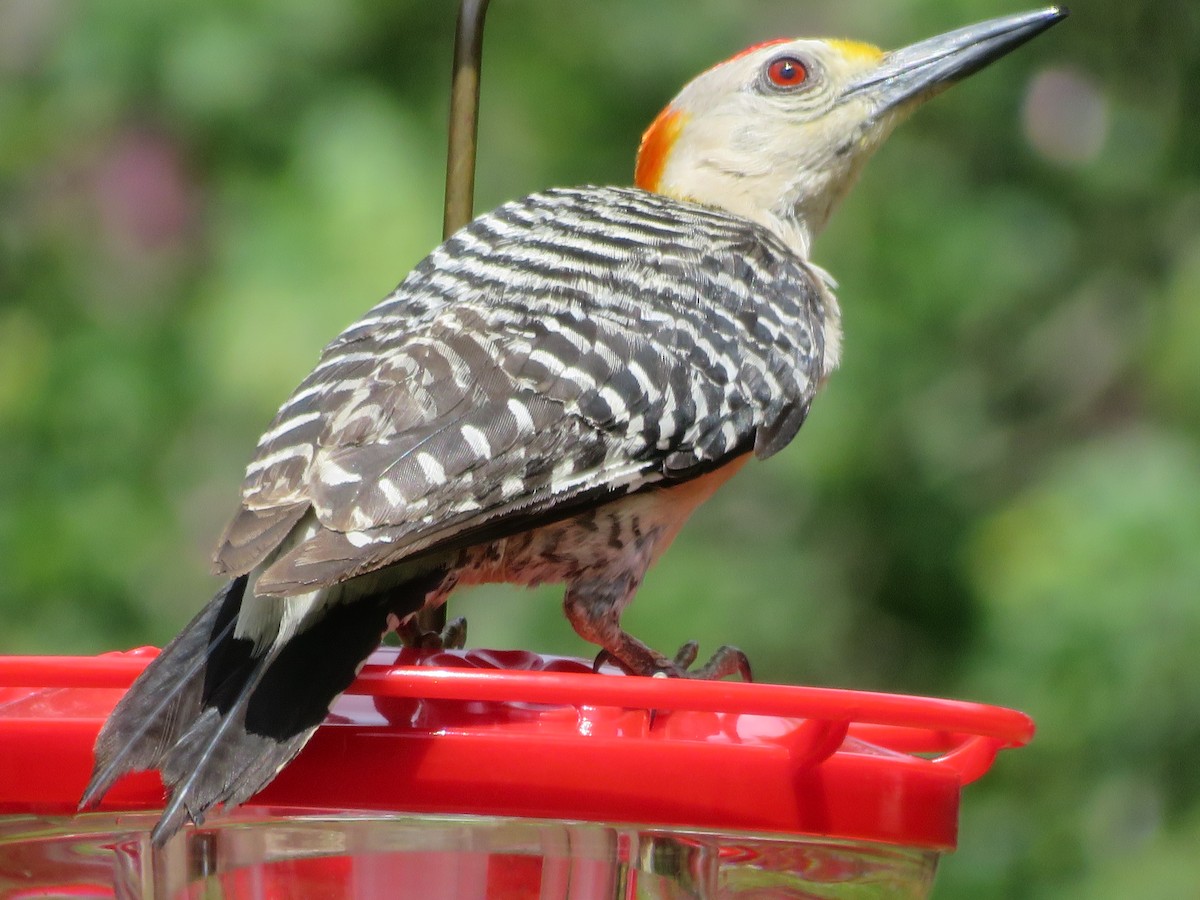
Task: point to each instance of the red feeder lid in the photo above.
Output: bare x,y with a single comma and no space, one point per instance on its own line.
511,733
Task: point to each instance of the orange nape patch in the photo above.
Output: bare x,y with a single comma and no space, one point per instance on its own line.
656,146
857,50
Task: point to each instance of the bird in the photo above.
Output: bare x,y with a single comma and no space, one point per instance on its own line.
545,398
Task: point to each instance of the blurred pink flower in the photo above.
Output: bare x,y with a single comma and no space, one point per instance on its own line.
142,193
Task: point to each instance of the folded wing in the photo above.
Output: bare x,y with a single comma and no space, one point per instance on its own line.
569,347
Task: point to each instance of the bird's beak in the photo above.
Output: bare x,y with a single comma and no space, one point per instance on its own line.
920,70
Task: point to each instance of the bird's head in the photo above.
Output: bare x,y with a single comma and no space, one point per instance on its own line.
778,132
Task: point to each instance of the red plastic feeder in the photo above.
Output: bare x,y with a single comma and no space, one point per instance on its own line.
505,774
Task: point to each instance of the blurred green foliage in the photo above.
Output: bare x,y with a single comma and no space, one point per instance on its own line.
998,496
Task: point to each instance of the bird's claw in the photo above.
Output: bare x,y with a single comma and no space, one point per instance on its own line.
686,655
452,637
605,657
726,661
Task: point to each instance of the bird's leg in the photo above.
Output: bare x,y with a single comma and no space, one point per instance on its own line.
593,607
452,637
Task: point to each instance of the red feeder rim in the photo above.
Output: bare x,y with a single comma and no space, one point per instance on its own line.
511,733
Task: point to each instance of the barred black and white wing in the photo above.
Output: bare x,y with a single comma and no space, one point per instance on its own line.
562,350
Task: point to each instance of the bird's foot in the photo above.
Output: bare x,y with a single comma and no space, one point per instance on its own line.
726,661
452,637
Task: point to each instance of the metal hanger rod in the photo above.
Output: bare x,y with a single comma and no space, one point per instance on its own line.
464,116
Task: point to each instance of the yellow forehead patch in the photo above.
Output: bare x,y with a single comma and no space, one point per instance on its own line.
857,51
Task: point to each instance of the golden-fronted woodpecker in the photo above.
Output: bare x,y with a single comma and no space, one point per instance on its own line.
545,398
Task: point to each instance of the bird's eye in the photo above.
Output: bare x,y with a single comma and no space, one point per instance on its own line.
787,72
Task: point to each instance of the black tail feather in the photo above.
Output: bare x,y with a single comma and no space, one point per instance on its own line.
219,718
218,759
165,699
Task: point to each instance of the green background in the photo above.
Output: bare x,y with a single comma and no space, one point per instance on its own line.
997,497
